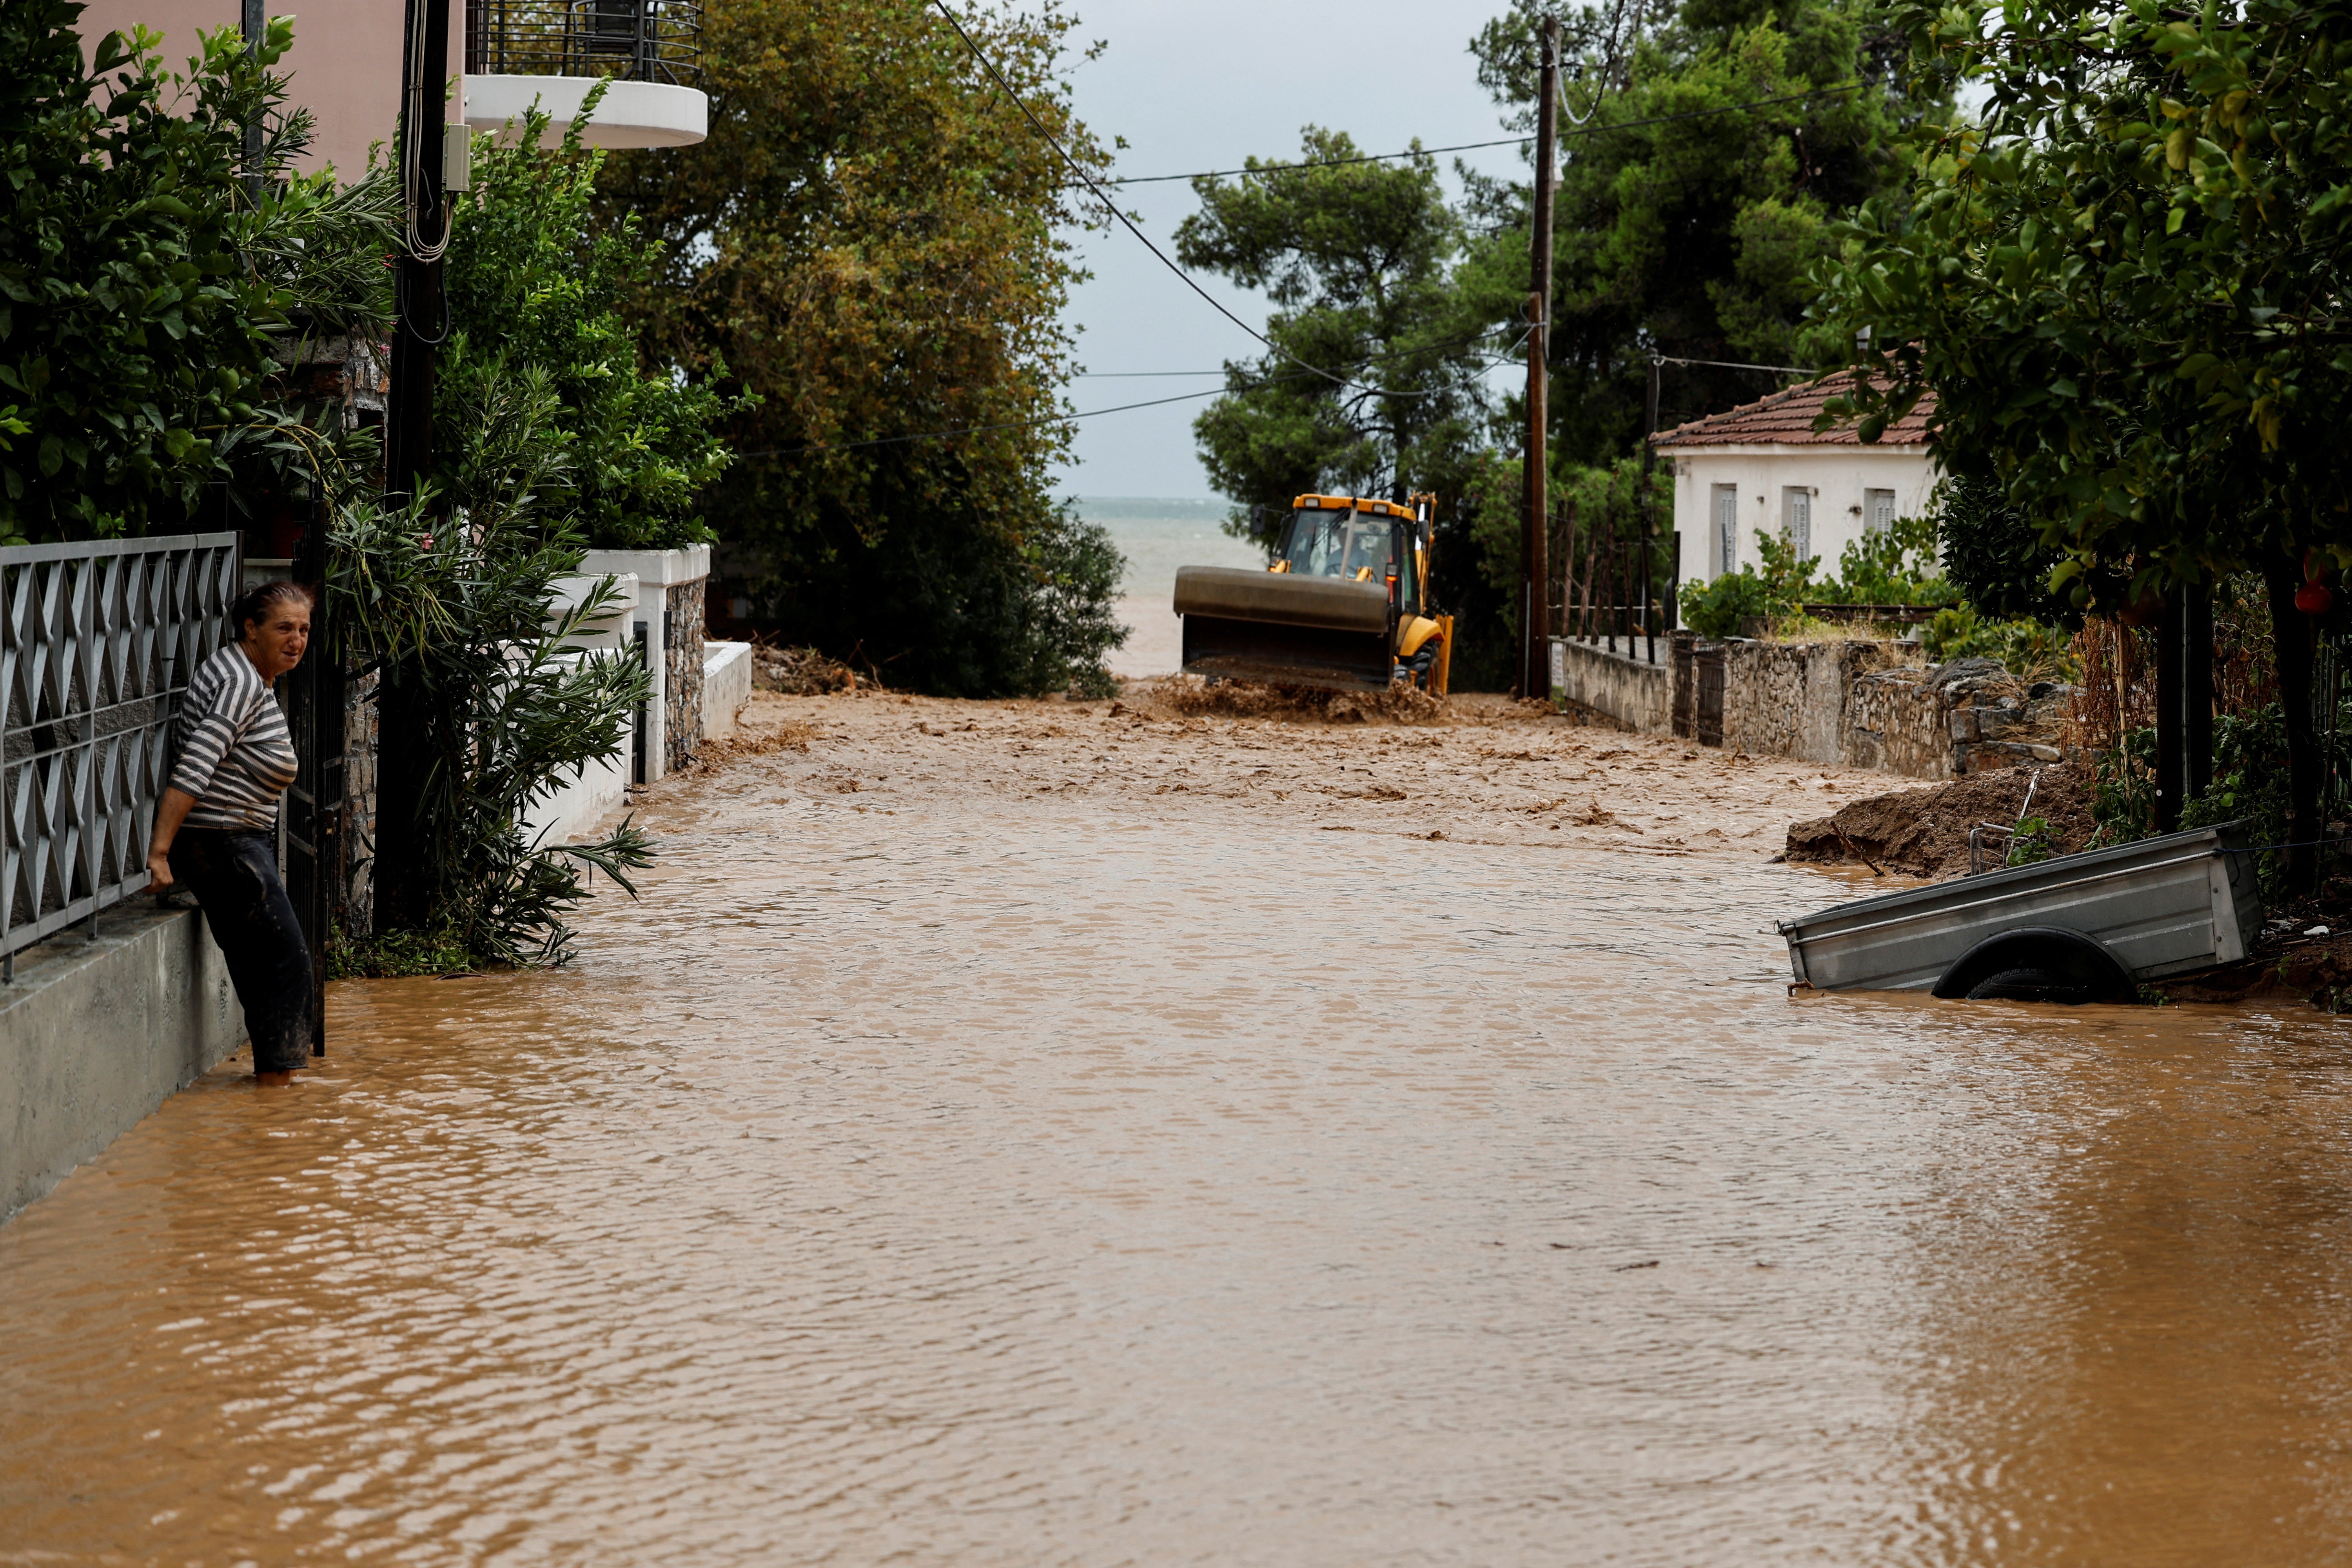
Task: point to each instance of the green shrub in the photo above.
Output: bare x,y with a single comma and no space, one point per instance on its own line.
1995,558
149,262
2250,781
479,680
2029,650
532,289
1893,565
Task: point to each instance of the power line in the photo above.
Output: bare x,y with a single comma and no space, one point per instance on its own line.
1089,414
1014,423
1506,142
1111,207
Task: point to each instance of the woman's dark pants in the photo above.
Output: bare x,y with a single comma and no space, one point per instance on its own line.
234,879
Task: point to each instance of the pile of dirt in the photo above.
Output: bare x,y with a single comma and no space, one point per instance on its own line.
1925,832
1186,698
712,755
804,672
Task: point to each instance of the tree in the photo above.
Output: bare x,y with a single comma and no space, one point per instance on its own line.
869,242
2124,287
152,270
1720,140
533,287
1371,384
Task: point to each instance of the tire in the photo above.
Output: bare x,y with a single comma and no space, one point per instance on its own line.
2030,986
1423,667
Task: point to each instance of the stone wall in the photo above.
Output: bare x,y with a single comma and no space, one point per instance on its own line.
682,637
1894,723
354,878
1789,699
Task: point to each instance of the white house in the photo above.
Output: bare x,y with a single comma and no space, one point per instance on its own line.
1762,467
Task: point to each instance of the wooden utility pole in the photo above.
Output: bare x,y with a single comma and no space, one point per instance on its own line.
1535,621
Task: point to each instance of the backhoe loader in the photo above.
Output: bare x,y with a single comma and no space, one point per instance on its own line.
1343,606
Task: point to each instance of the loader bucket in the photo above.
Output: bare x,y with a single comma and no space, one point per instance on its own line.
1327,632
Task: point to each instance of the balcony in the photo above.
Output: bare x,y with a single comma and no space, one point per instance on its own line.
552,52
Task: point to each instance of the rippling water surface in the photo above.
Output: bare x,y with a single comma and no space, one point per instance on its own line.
1039,1185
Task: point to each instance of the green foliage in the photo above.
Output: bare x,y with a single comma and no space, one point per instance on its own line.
2029,650
2032,842
1356,260
398,954
2122,790
2250,781
1994,555
1073,622
148,271
1691,237
1717,609
875,242
2113,281
454,617
1888,567
531,288
1893,565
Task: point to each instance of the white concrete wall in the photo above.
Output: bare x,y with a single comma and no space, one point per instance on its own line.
726,684
1763,476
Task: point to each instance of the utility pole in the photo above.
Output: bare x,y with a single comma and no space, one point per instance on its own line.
1535,622
422,322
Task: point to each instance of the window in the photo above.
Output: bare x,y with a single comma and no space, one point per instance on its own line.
1878,510
1727,529
1797,520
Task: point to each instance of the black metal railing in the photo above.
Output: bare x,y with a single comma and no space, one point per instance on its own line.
636,40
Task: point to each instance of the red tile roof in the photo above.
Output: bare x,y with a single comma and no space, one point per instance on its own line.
1786,419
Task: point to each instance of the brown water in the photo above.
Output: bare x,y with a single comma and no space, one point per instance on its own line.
1000,1184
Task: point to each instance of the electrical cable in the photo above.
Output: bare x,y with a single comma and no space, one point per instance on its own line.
1109,206
1731,364
1067,418
411,150
1580,130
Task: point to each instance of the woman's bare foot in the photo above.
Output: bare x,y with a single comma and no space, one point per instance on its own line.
274,1080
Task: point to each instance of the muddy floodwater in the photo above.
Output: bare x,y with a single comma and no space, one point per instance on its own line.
995,1163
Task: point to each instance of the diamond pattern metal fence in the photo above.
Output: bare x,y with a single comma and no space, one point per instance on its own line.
98,640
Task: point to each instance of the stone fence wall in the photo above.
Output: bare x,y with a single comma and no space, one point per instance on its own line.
1860,703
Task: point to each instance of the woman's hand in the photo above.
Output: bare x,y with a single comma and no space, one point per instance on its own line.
170,811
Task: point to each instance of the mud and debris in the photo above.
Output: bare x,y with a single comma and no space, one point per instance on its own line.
1470,768
1923,831
805,672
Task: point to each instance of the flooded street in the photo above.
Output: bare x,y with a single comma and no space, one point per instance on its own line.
975,1150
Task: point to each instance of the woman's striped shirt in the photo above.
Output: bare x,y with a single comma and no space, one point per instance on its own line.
233,753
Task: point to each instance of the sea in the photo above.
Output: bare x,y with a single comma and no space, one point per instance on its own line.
1158,534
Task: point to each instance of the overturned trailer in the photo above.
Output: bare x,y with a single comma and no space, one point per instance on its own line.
2078,928
1342,607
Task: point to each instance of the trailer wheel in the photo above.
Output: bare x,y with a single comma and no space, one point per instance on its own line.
2028,986
2038,964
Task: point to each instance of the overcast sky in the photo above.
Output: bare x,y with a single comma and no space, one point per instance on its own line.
1203,84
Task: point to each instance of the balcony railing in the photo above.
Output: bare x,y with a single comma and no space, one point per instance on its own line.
97,643
636,40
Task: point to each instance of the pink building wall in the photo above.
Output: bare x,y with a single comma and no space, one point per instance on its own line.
344,66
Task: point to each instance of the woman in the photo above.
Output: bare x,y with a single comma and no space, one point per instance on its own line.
215,828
